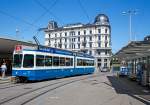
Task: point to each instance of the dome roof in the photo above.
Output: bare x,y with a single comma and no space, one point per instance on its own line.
101,19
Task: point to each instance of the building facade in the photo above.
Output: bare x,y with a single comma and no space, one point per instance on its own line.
93,39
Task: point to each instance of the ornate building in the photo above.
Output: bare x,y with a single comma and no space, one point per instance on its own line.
94,39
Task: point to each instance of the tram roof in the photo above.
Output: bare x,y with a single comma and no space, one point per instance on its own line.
134,49
62,51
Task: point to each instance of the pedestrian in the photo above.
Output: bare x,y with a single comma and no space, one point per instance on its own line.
3,69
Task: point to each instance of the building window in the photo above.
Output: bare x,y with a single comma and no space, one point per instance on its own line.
84,39
90,38
99,60
78,39
73,39
105,64
99,30
106,52
90,52
59,45
105,37
90,31
65,39
65,46
72,33
106,30
65,33
99,53
60,40
105,44
99,37
71,46
55,35
99,64
78,32
60,34
99,44
90,45
105,60
78,45
84,32
49,35
49,43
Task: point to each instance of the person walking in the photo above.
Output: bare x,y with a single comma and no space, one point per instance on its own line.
3,69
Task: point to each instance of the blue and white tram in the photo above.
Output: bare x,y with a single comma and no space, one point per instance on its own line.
32,63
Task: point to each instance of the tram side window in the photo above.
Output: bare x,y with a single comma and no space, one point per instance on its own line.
28,61
62,61
69,61
39,60
48,61
79,62
84,62
87,62
55,61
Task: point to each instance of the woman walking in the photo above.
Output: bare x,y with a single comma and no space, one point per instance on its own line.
3,69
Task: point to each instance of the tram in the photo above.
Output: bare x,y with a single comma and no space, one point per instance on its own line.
40,63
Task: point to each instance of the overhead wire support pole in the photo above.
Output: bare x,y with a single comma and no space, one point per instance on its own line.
130,13
130,27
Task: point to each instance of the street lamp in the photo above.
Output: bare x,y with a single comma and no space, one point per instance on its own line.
130,13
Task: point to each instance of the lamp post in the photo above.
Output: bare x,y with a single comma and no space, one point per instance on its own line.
130,13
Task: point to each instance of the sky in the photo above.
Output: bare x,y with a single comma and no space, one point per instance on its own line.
21,19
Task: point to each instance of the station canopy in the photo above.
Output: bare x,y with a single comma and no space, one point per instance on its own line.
135,49
7,45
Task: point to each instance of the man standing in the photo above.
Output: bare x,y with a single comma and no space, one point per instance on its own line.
3,69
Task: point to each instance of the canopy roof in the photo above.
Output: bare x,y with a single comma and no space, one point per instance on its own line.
135,49
7,45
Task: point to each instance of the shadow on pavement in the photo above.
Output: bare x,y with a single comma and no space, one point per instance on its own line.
123,85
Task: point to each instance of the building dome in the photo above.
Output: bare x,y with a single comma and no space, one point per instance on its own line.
101,19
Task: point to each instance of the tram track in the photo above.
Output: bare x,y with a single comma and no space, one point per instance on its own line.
10,85
34,93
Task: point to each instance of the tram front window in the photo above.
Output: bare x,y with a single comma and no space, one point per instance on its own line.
17,60
28,61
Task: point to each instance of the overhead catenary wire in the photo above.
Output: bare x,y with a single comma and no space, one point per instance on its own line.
85,12
17,18
47,10
43,14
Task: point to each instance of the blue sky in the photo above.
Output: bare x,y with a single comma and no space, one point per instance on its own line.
20,14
